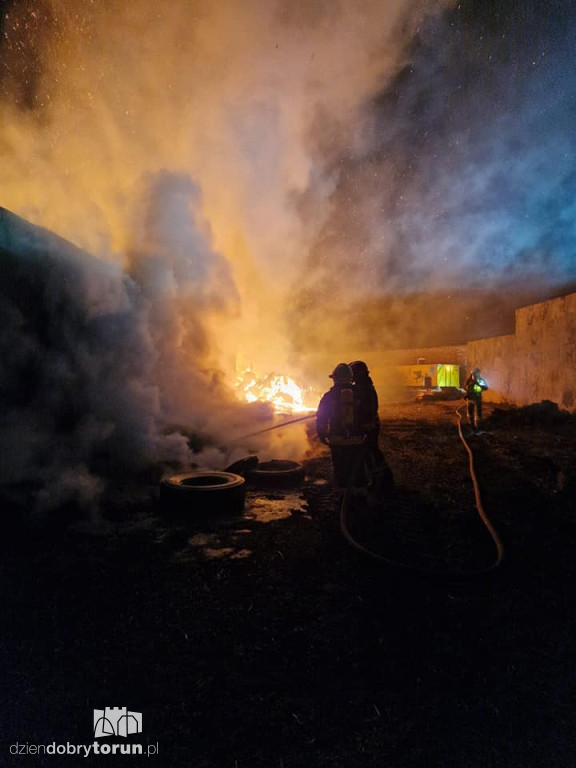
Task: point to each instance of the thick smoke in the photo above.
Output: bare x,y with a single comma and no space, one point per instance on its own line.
171,142
106,373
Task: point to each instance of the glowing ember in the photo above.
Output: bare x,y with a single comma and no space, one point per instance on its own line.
281,391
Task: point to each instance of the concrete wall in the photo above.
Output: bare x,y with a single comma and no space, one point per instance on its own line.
537,362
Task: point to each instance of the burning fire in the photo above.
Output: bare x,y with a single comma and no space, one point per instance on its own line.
279,390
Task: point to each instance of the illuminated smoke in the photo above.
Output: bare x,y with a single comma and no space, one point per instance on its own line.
171,142
87,353
106,373
227,93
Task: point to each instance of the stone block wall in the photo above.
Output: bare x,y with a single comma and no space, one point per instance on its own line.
537,362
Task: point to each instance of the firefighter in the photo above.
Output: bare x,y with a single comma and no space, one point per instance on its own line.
369,418
338,425
475,386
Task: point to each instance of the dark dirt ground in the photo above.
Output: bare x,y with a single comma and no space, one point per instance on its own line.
269,642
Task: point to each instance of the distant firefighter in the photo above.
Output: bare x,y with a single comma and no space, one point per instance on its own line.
475,386
338,424
370,424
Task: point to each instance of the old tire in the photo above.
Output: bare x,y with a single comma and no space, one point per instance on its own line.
202,494
276,473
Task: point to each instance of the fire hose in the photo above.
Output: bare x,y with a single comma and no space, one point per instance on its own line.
479,506
308,417
345,510
364,550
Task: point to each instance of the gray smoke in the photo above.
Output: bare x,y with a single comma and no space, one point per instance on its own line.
106,373
454,202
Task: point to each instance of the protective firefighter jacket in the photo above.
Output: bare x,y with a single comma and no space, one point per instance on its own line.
368,405
474,386
338,413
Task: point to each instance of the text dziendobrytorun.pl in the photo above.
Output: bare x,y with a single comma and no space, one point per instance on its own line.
83,749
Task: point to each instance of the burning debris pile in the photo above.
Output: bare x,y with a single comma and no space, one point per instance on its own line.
279,390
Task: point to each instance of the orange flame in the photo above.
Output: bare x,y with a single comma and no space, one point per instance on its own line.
279,390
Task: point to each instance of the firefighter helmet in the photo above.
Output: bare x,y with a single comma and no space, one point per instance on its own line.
359,368
342,374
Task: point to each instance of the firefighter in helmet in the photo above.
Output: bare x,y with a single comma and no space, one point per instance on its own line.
338,425
370,425
475,386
